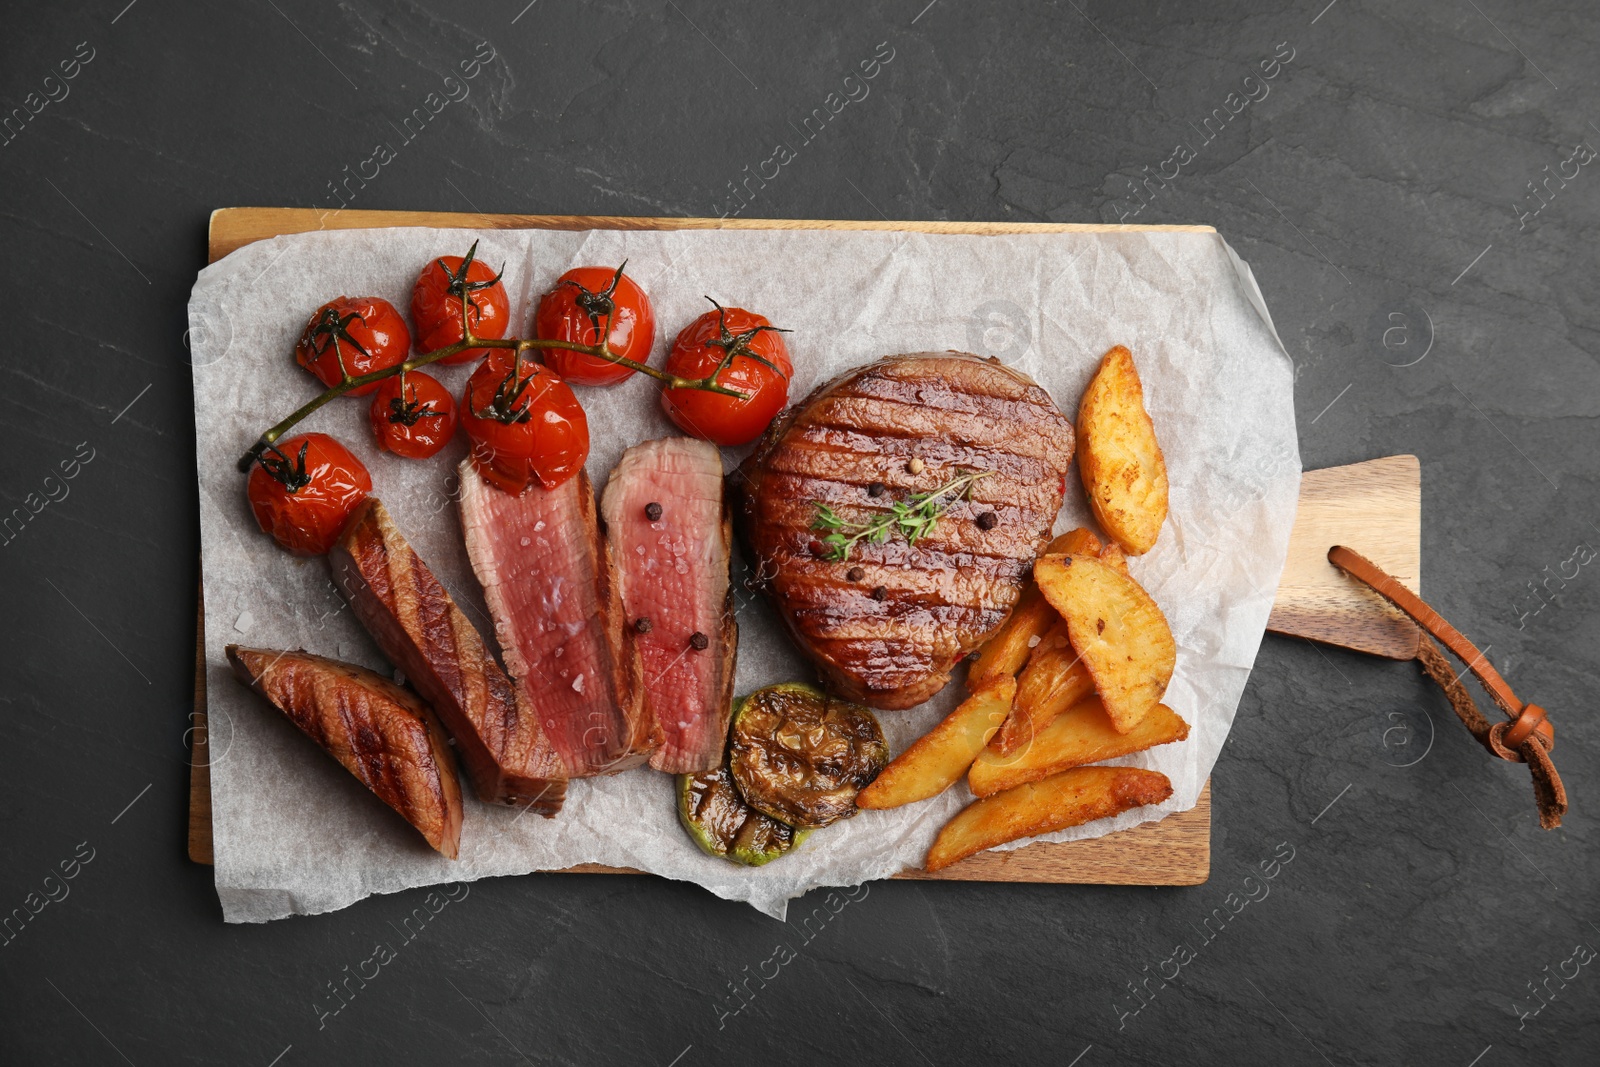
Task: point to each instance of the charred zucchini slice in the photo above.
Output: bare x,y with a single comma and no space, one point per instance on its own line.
801,756
722,824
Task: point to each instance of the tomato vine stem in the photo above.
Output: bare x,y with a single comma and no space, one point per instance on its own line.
602,350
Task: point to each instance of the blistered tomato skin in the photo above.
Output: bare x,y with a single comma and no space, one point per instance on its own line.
412,415
760,370
525,424
436,305
364,333
304,490
575,310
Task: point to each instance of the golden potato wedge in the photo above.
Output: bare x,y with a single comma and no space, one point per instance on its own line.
1123,469
1005,653
1053,681
1116,628
1114,555
1068,799
1007,650
1079,542
941,756
1082,736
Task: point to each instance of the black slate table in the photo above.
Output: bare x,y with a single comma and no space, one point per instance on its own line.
1411,183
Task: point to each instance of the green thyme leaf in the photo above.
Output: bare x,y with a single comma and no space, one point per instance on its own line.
914,518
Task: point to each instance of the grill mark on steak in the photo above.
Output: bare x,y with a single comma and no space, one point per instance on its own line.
940,395
956,534
382,734
884,418
419,628
846,443
944,595
847,477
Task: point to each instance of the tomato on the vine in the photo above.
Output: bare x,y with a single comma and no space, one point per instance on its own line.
303,490
436,304
524,423
412,415
747,354
576,310
359,334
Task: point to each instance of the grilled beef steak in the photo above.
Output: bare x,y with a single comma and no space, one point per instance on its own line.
886,625
551,587
379,732
670,535
419,628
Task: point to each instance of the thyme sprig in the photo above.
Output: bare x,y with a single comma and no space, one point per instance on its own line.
914,517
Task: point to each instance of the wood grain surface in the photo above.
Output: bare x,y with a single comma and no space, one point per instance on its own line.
1174,851
1375,508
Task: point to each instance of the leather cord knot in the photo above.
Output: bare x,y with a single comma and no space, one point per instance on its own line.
1507,737
1526,737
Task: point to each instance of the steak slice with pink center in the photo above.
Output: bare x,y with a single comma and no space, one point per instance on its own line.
551,587
671,536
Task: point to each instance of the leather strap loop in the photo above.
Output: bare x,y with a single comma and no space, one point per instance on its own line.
1531,721
1362,568
1527,737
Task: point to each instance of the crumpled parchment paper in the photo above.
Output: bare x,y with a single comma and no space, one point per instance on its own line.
295,834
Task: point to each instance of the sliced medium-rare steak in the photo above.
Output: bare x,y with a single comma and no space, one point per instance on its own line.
379,732
551,586
418,627
671,536
886,625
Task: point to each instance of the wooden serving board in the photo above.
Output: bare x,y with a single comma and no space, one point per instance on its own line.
1373,507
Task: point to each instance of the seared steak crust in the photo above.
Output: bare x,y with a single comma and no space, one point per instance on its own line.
418,626
379,732
890,638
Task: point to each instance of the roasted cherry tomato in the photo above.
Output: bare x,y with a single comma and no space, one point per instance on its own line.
413,415
524,424
754,361
303,490
363,333
436,304
576,309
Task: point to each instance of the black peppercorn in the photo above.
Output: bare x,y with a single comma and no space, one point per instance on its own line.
875,489
988,520
856,574
652,511
880,593
641,625
699,641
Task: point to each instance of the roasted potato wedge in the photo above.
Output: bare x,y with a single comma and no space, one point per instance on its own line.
941,756
1117,629
1079,542
1054,680
1123,469
1082,736
1007,651
1068,799
1114,555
